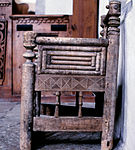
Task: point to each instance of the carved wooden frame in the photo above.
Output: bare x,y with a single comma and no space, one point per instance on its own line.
3,42
30,123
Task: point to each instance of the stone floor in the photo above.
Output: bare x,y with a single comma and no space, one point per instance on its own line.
9,134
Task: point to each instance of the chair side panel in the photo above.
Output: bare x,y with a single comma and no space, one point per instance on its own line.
73,60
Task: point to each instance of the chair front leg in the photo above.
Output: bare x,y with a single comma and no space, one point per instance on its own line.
27,94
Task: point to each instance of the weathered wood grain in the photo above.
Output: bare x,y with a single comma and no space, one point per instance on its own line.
56,114
71,41
27,94
61,59
111,75
45,82
55,73
73,48
84,21
80,104
72,124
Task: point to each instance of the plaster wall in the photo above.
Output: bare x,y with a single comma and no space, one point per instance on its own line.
125,122
54,7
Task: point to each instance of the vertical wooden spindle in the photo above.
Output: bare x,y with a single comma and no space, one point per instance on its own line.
80,105
56,114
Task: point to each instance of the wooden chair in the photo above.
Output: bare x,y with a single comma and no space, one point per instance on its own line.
71,64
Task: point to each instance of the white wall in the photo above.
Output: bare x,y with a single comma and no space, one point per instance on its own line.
125,125
130,79
25,1
54,7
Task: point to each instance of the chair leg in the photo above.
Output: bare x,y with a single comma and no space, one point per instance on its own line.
26,122
106,145
108,124
107,136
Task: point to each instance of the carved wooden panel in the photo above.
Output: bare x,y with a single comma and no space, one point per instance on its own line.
81,60
69,83
41,19
3,41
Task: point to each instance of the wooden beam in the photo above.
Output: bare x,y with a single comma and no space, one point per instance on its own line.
71,41
70,124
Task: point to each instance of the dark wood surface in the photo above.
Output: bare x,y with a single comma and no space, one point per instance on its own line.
84,22
6,86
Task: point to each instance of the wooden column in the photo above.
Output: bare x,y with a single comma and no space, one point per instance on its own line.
111,75
26,123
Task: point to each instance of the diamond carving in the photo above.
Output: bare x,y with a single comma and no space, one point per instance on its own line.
70,83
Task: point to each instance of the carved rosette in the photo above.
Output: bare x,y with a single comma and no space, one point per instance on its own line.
3,41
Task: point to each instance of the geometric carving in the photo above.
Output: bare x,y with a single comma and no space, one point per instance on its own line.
40,20
3,40
86,60
69,83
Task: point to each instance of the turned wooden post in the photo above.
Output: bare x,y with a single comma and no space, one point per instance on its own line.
56,114
111,75
27,93
80,105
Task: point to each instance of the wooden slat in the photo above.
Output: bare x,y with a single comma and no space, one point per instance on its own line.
98,59
63,62
70,53
84,124
70,72
103,61
70,67
72,48
71,58
71,41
